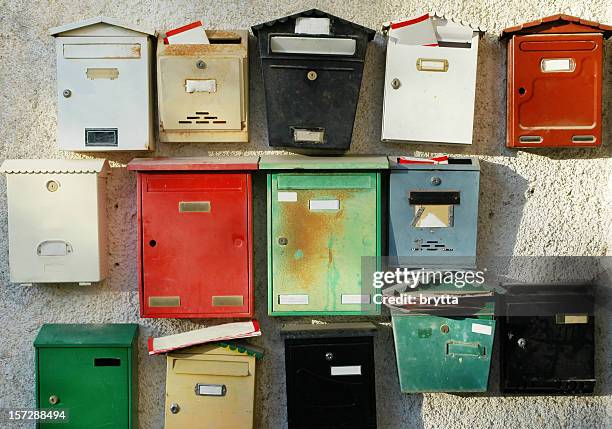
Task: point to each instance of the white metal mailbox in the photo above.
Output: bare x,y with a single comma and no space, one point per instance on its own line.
429,90
203,89
104,86
56,220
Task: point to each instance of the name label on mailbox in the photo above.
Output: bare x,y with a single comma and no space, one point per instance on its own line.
210,389
346,370
293,299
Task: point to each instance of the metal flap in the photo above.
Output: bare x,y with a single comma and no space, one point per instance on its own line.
203,163
454,163
210,367
46,166
303,162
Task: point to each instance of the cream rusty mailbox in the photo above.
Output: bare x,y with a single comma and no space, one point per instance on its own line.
324,234
212,386
203,89
554,82
312,64
57,220
194,229
429,90
104,86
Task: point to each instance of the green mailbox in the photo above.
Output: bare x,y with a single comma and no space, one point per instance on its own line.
324,217
445,349
90,371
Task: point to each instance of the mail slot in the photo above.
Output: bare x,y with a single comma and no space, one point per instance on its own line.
324,233
554,82
195,236
90,371
57,220
433,213
203,89
429,90
330,375
104,86
312,64
456,340
214,383
547,339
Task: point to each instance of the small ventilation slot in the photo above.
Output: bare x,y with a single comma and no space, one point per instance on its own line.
430,246
583,139
203,118
530,139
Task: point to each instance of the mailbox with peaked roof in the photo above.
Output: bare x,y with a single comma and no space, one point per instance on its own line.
554,82
104,86
312,65
195,231
57,220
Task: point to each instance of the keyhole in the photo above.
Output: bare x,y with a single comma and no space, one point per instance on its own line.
152,243
522,90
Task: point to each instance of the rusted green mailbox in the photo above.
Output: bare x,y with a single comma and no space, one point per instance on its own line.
91,372
324,231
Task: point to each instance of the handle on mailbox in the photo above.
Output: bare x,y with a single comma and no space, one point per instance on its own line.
202,389
460,348
53,248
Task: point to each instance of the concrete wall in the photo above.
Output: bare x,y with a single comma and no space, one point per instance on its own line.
532,203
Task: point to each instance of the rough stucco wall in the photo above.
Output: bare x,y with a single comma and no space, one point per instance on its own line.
532,203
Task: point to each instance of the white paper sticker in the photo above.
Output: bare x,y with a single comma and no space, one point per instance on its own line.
481,329
287,197
324,204
312,45
200,85
305,25
293,299
355,299
346,370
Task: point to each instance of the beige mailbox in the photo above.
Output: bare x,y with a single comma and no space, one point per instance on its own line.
203,89
56,220
104,86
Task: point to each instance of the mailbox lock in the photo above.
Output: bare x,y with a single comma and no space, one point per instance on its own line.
52,186
66,93
53,399
283,241
312,75
444,329
329,356
200,64
395,83
174,408
522,342
436,181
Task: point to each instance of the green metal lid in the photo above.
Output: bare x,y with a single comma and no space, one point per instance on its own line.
86,335
304,162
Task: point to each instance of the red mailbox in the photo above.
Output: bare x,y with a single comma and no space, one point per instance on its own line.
195,257
554,82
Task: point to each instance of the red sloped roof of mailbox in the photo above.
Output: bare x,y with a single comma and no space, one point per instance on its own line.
559,23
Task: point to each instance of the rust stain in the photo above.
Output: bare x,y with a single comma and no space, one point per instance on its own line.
221,43
136,50
309,232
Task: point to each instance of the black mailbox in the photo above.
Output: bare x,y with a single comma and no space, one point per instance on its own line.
330,376
547,339
312,65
